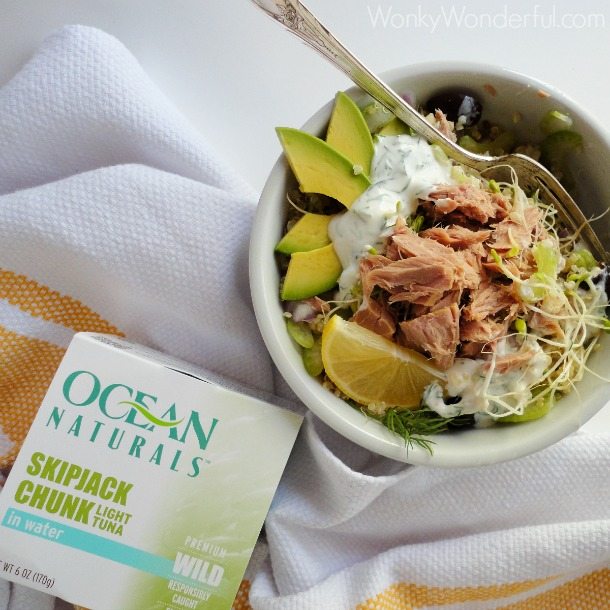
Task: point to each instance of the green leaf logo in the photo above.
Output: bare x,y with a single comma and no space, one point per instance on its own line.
149,416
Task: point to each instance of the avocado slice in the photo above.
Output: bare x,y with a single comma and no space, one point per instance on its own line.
319,168
311,273
349,134
308,233
395,128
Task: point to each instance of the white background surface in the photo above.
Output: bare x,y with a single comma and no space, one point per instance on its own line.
236,74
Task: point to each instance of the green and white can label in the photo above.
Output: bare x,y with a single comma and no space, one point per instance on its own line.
141,483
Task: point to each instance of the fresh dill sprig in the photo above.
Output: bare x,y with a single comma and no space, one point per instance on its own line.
414,426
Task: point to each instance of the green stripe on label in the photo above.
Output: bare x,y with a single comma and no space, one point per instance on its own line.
92,543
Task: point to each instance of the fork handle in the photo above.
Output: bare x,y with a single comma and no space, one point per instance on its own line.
295,16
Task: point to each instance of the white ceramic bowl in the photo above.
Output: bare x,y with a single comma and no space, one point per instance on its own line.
513,93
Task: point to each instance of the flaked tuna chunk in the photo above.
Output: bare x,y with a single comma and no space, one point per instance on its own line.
513,266
406,243
418,310
484,332
436,333
415,280
471,201
376,317
466,266
444,125
367,264
489,300
473,271
517,231
453,296
458,238
435,216
449,298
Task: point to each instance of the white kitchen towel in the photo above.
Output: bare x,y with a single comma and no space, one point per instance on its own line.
115,216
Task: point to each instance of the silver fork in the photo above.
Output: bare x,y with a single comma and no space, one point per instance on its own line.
531,175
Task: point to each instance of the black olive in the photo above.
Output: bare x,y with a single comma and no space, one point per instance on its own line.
456,104
462,421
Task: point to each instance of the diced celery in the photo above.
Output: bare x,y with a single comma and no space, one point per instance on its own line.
300,332
547,259
582,259
504,143
376,116
395,128
557,145
535,410
439,153
469,143
554,121
461,177
312,358
458,174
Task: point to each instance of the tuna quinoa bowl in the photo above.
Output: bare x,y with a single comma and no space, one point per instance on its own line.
425,311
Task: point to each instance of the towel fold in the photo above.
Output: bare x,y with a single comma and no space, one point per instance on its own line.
116,216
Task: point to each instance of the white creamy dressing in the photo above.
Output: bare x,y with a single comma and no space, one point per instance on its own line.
404,169
469,379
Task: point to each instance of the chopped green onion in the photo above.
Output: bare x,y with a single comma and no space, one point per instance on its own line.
495,256
521,326
494,187
417,223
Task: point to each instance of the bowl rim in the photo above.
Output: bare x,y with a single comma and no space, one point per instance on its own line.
343,418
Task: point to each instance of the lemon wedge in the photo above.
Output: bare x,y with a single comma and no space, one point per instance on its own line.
373,370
